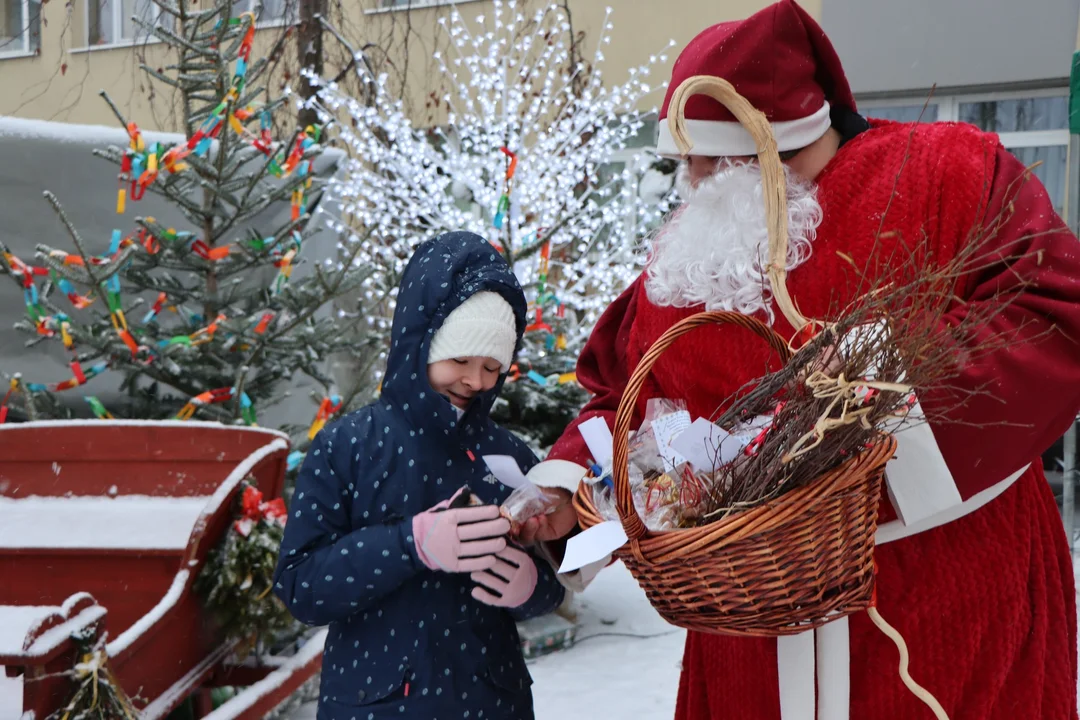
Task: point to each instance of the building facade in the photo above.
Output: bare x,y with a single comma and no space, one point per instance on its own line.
1000,64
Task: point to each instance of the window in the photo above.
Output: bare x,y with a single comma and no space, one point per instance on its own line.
646,136
1018,115
20,27
109,22
378,6
1034,126
273,11
905,113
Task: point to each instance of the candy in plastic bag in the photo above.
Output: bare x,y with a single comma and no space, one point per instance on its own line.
525,502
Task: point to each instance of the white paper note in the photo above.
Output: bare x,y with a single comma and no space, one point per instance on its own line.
707,446
598,437
506,470
919,481
593,545
665,429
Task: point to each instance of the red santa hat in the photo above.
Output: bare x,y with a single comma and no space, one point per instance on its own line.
780,60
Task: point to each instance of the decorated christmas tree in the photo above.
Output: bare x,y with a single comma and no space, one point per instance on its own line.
526,158
206,319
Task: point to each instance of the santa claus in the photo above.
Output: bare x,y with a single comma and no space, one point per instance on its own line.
981,588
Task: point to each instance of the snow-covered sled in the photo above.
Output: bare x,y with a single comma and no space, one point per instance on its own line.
104,526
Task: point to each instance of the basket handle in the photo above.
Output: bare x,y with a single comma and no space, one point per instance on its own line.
772,174
624,501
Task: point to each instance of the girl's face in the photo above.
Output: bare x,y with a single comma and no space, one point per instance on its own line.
460,379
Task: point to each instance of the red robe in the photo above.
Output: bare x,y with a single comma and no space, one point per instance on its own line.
986,603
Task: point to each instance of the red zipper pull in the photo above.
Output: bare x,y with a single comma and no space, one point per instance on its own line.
406,689
470,454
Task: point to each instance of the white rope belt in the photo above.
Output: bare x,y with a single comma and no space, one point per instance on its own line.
826,650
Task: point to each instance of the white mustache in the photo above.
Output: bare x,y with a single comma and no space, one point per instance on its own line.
713,251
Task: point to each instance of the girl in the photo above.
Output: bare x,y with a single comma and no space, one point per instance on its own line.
411,571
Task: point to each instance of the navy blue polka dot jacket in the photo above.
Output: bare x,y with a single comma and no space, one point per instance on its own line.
405,641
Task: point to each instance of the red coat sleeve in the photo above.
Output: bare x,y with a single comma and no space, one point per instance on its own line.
1032,385
602,369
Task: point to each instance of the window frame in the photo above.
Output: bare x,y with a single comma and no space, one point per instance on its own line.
291,16
949,111
117,23
285,21
26,47
379,6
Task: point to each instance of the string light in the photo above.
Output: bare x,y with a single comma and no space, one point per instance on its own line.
506,82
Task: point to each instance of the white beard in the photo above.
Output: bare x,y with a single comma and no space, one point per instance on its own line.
713,251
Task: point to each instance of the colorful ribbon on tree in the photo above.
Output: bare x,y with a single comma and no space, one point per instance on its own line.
541,290
327,408
503,206
264,323
549,381
13,387
99,410
139,167
80,377
199,337
156,308
34,309
216,396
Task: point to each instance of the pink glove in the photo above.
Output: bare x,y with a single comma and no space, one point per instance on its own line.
459,539
513,577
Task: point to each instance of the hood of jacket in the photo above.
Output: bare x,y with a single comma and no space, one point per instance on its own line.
442,274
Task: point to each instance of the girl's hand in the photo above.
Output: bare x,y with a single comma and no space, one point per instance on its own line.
509,583
459,539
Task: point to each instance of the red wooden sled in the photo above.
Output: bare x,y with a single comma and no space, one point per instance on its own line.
104,526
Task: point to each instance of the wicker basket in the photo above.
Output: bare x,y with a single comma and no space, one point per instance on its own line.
787,566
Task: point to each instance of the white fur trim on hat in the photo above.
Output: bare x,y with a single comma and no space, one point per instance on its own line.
716,138
482,326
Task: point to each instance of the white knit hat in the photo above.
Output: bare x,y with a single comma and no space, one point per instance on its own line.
482,326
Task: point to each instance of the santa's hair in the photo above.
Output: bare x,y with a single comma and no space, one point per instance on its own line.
713,251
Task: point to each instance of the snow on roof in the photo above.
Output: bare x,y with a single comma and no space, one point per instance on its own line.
142,423
125,522
70,132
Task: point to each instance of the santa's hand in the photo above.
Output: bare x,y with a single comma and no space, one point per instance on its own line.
827,361
509,583
557,523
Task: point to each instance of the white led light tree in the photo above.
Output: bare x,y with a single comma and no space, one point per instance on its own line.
525,159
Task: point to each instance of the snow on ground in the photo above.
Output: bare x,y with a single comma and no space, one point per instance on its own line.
14,622
128,521
11,696
624,664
